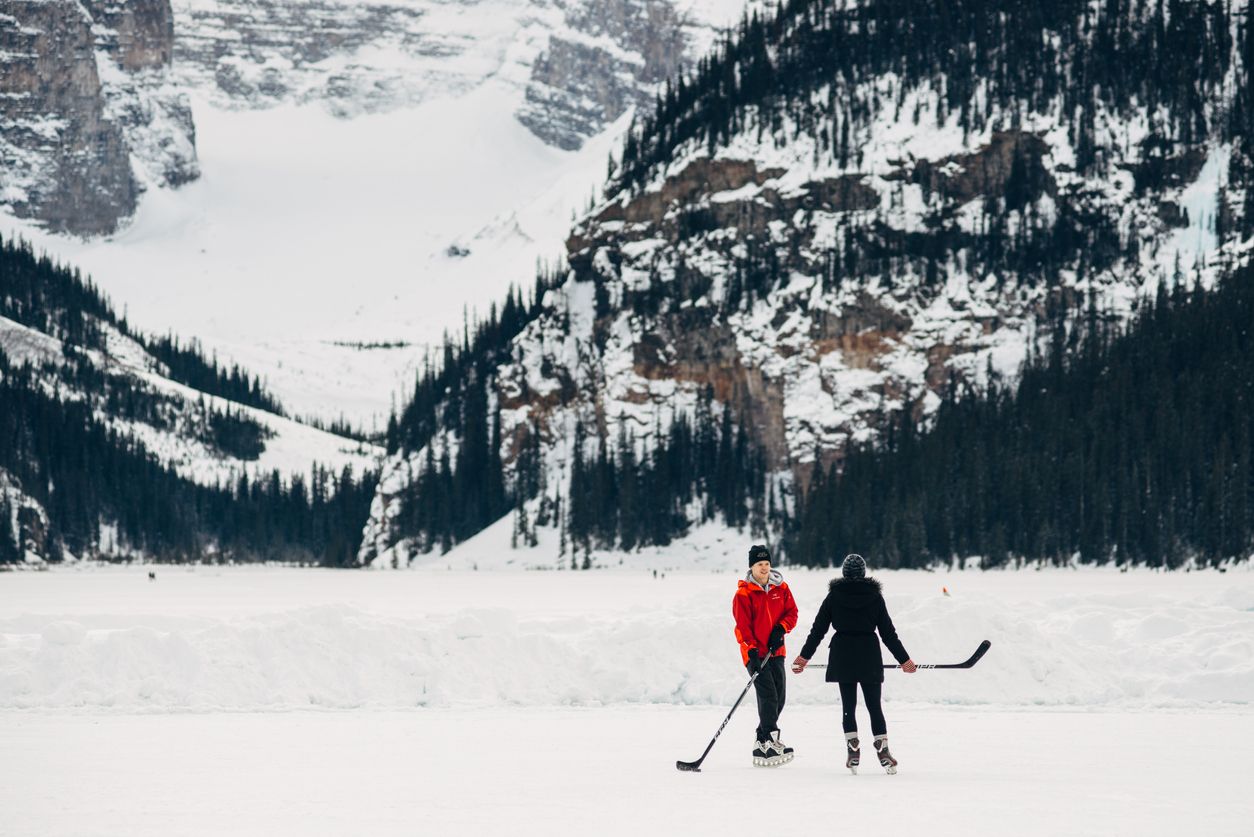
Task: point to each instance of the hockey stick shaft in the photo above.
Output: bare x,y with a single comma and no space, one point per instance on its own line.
696,765
971,661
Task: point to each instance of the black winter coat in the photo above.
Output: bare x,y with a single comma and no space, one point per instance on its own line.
855,608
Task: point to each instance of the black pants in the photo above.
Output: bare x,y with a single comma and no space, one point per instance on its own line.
849,702
770,689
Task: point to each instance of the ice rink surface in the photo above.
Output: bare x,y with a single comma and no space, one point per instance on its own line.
281,701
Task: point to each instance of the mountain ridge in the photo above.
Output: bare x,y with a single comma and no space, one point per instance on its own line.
826,238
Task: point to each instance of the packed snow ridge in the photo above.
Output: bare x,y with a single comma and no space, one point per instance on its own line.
205,639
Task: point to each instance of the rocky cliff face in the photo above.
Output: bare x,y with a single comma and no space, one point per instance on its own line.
611,55
23,525
356,58
139,34
61,159
84,92
577,65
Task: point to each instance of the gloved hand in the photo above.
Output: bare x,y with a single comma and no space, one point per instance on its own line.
777,639
755,662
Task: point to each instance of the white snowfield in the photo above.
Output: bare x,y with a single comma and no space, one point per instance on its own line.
278,701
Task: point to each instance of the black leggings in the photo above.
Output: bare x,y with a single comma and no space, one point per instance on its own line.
849,702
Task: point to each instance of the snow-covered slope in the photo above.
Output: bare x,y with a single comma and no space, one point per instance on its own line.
180,438
325,266
368,172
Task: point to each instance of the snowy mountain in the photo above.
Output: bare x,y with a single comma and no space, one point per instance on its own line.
369,171
839,217
97,106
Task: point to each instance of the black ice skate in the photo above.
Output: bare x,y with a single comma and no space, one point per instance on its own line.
762,754
853,752
886,758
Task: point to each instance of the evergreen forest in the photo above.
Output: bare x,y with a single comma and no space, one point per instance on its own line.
1129,448
101,490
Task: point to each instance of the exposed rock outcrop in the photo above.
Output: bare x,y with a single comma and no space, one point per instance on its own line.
139,34
84,91
61,159
614,56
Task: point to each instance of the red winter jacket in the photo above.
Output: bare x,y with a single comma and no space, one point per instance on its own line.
757,611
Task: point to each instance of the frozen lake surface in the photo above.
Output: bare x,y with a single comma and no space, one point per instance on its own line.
611,771
281,701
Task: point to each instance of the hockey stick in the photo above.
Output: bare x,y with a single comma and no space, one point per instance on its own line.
695,766
970,661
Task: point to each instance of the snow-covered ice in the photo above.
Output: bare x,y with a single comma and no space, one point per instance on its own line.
281,701
611,771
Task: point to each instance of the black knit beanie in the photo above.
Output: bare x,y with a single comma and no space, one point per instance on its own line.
854,566
757,553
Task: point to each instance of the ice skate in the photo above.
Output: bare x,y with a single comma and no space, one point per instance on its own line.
853,752
886,758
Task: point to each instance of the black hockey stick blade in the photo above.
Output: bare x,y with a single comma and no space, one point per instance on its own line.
970,661
975,658
690,766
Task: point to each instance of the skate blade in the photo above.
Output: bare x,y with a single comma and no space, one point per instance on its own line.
853,770
890,770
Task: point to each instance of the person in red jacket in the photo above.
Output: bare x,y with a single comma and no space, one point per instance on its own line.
764,611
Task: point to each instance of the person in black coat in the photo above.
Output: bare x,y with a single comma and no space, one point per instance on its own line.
855,608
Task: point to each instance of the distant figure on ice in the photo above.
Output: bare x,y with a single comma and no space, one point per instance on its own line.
764,611
152,576
855,608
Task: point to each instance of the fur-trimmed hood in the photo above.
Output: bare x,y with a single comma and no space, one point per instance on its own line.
854,592
840,582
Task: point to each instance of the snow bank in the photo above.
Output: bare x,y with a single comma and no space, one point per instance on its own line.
286,639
